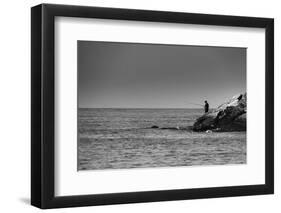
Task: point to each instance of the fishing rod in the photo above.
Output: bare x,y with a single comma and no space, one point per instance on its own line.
196,104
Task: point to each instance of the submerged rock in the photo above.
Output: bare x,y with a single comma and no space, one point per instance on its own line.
171,128
230,116
189,128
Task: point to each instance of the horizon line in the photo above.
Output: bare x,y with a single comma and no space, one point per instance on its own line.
136,108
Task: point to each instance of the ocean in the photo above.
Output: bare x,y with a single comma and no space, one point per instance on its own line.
123,138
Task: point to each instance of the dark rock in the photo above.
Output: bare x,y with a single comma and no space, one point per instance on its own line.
240,122
188,128
230,116
171,128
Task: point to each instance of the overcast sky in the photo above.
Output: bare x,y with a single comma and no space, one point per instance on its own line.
129,75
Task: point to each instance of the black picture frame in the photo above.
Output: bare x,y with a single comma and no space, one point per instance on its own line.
43,102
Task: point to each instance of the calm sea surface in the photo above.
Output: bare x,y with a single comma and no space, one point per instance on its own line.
122,138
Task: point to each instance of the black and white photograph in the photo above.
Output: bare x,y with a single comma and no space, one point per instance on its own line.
143,105
149,104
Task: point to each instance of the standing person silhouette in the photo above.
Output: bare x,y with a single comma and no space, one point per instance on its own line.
206,107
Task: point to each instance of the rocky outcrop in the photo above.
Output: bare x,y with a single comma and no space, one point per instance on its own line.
230,116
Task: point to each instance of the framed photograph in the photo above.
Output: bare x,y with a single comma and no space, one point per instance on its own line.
136,106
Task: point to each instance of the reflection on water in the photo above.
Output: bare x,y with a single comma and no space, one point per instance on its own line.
121,138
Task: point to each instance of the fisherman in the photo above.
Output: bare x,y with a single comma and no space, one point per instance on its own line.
206,107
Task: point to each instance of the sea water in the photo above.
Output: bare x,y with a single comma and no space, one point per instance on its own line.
123,138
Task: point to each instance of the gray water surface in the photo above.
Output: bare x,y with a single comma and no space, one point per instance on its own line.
122,138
